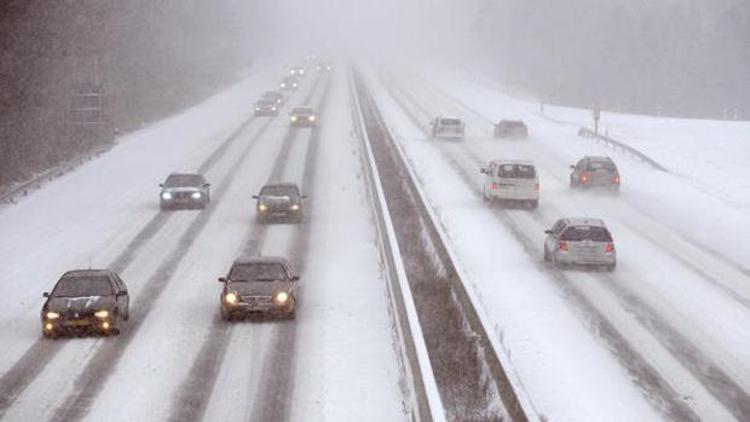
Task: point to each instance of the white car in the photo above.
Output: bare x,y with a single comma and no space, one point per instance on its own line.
513,181
448,127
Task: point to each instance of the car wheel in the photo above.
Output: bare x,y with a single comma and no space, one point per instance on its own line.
225,316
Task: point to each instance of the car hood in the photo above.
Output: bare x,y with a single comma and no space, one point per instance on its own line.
66,305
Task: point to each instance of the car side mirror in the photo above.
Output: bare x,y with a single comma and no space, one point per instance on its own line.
206,185
161,185
45,294
255,196
572,166
303,196
222,279
122,293
483,170
548,231
295,278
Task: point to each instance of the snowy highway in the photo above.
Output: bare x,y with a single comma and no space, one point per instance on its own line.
666,336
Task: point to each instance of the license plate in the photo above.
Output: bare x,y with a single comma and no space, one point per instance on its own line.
77,322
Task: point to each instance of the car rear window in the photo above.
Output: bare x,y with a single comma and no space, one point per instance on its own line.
593,233
450,122
516,171
258,272
601,165
178,180
81,286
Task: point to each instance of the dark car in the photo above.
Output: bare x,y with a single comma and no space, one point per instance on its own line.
289,83
595,172
184,190
303,117
514,129
279,202
259,285
275,96
297,71
266,107
85,302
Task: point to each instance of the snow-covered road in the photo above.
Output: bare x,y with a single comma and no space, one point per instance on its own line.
673,318
175,358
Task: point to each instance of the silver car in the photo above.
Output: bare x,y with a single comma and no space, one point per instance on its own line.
184,190
580,242
595,172
448,127
259,285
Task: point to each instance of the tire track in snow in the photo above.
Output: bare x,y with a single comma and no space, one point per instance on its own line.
15,381
195,391
656,390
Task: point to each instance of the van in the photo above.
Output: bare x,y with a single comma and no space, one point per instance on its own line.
514,181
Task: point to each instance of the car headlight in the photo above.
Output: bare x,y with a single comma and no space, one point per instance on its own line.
294,85
196,195
282,297
166,196
230,298
52,315
262,207
273,108
257,108
293,118
294,207
311,118
101,314
283,85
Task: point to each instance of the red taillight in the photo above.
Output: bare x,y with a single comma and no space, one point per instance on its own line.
494,186
563,245
609,248
616,179
584,177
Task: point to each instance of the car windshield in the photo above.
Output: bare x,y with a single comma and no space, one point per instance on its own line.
290,79
178,180
258,271
450,122
279,191
302,111
517,171
271,94
81,286
593,233
268,102
601,165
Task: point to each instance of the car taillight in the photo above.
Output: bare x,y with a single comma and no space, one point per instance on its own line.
494,186
584,177
616,179
609,248
563,245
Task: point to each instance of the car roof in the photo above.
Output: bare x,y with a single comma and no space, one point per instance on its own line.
585,221
507,121
281,184
449,117
88,273
598,158
185,174
266,101
246,260
512,161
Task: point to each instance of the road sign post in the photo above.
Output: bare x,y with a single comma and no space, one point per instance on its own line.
596,114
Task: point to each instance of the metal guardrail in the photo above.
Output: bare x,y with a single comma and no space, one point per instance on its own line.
14,192
428,405
615,144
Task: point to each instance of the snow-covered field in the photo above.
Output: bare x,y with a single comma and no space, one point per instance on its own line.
341,343
635,345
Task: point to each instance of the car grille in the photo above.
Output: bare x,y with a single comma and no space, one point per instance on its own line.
257,300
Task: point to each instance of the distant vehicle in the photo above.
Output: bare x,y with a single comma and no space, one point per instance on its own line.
259,285
580,242
266,107
324,67
289,83
86,302
514,129
297,71
511,181
280,202
275,96
447,127
185,190
595,172
303,117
